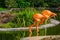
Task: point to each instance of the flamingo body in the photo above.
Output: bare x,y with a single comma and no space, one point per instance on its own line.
37,17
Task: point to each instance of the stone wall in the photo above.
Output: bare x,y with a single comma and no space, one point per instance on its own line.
6,17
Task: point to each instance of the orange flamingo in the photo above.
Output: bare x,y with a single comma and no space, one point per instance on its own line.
39,19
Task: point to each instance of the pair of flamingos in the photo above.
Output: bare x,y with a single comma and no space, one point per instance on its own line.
39,19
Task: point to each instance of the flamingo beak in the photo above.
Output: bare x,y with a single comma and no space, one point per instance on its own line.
55,15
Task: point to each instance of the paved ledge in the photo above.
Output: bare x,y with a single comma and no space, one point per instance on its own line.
50,37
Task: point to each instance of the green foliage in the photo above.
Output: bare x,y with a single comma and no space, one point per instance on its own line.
10,3
16,3
1,9
54,30
7,25
22,3
24,18
54,3
2,3
29,3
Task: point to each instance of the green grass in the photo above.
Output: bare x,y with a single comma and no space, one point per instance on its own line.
54,30
23,18
1,9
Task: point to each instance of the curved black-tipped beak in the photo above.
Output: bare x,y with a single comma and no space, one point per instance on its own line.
55,15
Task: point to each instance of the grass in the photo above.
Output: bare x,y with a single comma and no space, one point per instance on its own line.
54,30
23,18
1,9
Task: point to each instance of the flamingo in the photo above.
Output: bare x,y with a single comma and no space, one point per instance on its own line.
39,19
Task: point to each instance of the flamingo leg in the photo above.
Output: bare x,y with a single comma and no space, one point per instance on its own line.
30,28
46,20
30,31
45,27
39,23
37,30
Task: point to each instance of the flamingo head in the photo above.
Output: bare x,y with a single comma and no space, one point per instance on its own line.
48,14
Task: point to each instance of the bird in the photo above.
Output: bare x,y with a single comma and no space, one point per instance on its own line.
38,19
